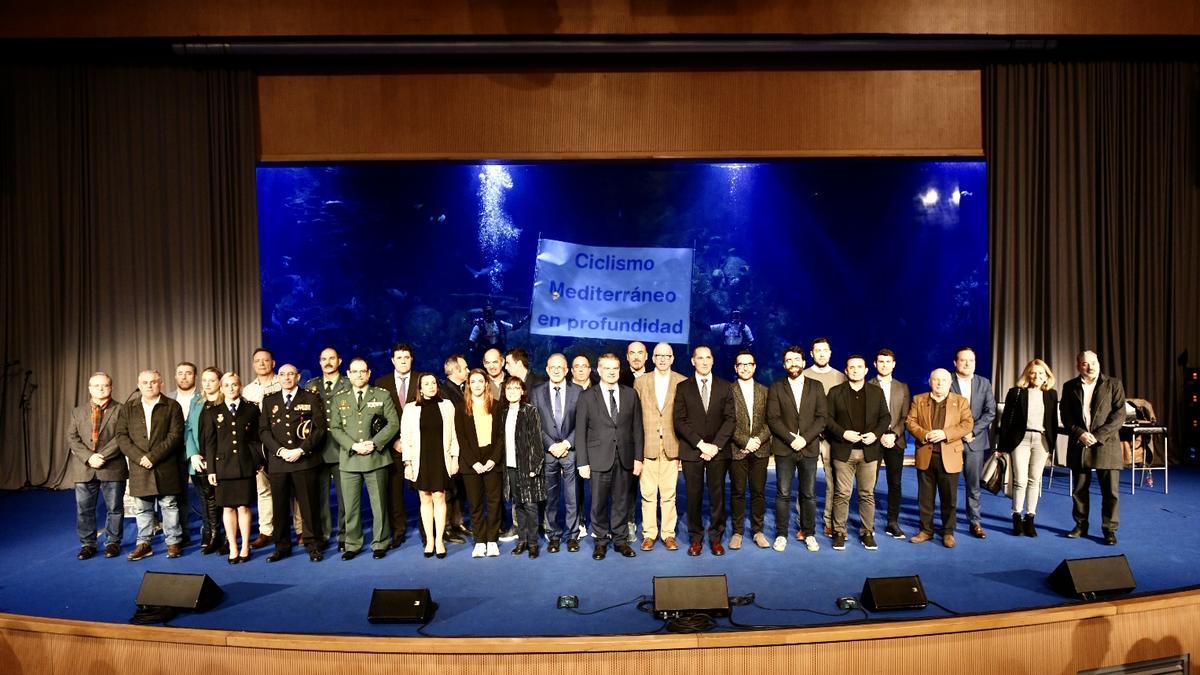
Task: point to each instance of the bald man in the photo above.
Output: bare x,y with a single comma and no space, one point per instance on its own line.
938,420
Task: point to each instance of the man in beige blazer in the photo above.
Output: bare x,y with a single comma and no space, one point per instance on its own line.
938,421
660,468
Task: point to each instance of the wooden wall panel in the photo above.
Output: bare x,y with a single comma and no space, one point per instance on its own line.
234,18
620,114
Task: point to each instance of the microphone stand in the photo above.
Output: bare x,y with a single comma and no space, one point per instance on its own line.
27,388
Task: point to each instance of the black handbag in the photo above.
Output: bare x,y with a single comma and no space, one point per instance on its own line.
995,472
378,422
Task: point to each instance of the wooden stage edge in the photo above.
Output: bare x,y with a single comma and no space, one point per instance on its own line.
17,629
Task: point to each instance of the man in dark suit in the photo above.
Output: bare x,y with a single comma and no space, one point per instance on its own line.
608,436
750,452
893,440
402,387
635,368
516,363
556,401
150,433
796,411
96,466
704,425
292,428
858,416
1093,410
978,392
453,389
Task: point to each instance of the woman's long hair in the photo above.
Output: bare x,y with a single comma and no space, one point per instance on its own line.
1026,378
488,402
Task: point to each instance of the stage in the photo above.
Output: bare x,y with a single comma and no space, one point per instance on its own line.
515,596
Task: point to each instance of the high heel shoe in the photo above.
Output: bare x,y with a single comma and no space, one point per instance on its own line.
428,554
441,555
245,557
233,560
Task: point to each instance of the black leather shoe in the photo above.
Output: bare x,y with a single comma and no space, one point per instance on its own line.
278,555
86,552
599,552
520,548
453,538
533,552
349,555
379,553
396,542
572,546
1077,532
555,544
428,554
625,550
315,555
1110,538
341,548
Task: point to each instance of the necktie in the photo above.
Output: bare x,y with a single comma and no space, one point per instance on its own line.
704,393
328,386
403,389
558,411
97,416
288,402
612,403
233,409
360,398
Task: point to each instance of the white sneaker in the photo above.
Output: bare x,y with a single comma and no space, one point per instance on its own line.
810,542
583,532
780,544
479,551
493,549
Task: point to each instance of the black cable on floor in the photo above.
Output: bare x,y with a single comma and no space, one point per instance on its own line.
638,599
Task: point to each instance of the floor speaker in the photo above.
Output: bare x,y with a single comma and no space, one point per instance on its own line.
883,593
401,605
1091,578
681,596
182,591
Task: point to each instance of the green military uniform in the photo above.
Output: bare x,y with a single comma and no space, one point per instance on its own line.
350,423
329,470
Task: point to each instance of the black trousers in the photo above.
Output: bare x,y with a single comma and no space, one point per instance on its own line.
483,493
397,516
697,476
894,461
456,497
933,480
610,487
1110,507
751,470
210,513
302,485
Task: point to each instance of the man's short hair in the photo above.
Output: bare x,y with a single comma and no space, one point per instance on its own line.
819,340
519,355
101,373
744,352
357,358
262,349
402,347
963,348
885,352
189,364
1083,353
699,347
329,348
856,356
609,356
797,349
451,363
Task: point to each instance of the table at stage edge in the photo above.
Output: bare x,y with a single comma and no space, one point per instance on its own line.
1147,467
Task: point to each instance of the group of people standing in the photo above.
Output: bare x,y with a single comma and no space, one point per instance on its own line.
476,438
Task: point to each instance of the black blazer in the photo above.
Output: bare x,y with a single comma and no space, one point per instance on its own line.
529,486
1016,409
693,424
302,426
468,442
230,446
784,420
1107,414
388,382
450,391
878,420
603,442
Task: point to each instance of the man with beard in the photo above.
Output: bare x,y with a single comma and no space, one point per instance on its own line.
796,411
829,377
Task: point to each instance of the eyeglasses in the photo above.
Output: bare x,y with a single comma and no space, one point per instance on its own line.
744,365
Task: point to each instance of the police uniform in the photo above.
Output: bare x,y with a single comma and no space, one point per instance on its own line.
350,423
284,425
328,470
231,450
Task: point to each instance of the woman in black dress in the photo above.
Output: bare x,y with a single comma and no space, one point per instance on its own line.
430,453
524,460
233,455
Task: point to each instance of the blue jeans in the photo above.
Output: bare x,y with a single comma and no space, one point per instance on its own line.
143,511
85,510
563,490
786,468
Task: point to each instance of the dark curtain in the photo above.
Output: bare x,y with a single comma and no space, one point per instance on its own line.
127,203
1094,221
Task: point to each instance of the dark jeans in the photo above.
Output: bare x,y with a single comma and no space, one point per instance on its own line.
752,471
972,472
936,480
697,476
894,459
210,513
560,487
1110,507
525,514
484,494
85,510
303,486
786,468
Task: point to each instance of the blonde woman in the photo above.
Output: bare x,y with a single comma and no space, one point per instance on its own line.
1028,431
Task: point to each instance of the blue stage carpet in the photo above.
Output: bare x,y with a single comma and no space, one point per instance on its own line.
40,576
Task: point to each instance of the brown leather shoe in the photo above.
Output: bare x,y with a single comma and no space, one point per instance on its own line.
920,538
735,542
174,550
717,548
828,530
142,550
948,540
977,531
695,549
671,544
647,544
261,541
800,535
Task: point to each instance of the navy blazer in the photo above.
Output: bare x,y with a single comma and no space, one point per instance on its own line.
983,410
602,442
541,399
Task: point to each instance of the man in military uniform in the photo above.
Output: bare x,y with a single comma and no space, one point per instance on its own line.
363,421
292,428
328,385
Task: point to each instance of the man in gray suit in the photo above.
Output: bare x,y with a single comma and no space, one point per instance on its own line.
893,441
978,392
556,401
150,433
1093,410
97,466
608,433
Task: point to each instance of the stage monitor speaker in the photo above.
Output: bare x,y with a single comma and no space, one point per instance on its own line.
883,593
1091,578
401,605
182,591
682,596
